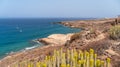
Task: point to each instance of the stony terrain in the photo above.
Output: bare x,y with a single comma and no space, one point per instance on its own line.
95,35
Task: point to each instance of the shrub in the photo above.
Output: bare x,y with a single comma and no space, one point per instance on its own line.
115,32
75,36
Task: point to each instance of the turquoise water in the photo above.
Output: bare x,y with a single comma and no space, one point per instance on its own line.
17,34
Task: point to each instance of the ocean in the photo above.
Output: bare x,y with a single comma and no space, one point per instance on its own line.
18,34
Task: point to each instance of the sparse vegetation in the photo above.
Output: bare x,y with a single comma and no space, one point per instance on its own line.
115,32
92,30
69,58
75,36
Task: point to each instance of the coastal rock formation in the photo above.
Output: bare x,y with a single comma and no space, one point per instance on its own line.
56,39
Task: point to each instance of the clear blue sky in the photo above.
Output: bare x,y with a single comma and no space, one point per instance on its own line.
59,8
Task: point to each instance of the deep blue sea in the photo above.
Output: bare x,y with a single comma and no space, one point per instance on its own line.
17,34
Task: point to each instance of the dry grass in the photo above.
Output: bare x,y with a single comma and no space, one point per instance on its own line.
76,36
115,32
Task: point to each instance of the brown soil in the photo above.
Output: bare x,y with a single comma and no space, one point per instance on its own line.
95,35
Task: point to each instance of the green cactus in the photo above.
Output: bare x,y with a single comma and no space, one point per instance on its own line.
108,62
70,58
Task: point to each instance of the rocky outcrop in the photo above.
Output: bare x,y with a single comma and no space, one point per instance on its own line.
56,39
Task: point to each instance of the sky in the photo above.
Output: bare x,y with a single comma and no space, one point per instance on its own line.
59,8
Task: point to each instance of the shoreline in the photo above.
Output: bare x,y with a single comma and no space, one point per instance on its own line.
25,53
38,45
95,34
24,50
28,48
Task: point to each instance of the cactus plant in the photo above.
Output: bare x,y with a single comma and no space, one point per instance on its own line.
70,58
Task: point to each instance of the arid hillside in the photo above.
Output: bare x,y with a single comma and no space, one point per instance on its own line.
102,35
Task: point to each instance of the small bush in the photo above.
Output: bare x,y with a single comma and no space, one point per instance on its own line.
115,32
75,36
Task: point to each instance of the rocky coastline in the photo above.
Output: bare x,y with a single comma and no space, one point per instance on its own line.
94,35
56,39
